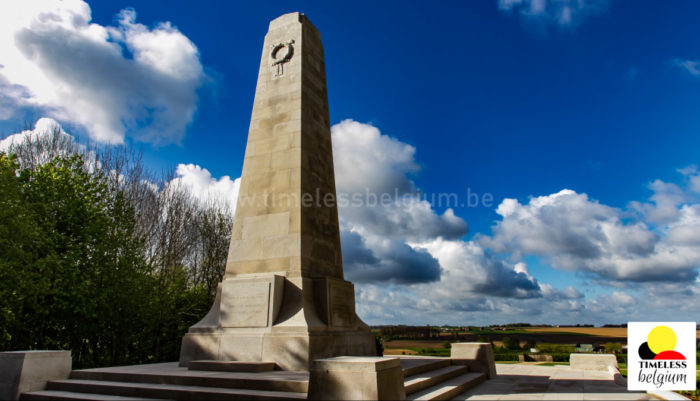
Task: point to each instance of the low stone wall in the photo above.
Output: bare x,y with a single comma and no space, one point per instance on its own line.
478,356
593,361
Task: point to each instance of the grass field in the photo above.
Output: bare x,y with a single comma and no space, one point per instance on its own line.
415,347
399,351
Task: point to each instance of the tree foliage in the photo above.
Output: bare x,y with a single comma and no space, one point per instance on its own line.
511,343
102,257
613,347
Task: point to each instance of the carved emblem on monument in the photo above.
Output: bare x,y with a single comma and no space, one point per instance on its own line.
280,53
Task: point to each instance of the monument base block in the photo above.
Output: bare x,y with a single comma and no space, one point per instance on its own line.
288,352
348,378
24,371
267,319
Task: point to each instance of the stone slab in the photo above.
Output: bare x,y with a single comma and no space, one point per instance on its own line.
24,371
535,382
367,363
231,366
356,378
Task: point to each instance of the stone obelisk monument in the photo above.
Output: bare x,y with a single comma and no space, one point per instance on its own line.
283,298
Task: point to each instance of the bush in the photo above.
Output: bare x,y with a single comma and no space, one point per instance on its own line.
560,357
621,358
434,351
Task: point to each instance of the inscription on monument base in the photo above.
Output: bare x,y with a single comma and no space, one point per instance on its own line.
341,300
245,303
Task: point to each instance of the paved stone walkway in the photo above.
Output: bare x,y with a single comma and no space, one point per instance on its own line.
533,382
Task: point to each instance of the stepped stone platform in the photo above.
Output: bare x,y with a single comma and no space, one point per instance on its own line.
170,381
425,378
428,378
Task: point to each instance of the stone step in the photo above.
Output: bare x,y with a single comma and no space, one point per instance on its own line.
274,381
49,395
414,366
168,391
450,388
424,380
231,366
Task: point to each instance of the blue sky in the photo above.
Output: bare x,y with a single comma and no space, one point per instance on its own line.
519,99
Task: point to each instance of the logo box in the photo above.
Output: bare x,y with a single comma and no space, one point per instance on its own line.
661,356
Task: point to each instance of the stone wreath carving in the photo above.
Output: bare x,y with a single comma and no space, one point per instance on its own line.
278,58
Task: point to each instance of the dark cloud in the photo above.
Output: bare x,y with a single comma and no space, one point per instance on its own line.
391,261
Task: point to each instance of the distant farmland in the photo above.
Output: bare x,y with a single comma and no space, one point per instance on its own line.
591,331
538,335
565,336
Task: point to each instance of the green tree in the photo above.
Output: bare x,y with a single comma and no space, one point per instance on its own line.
100,257
18,233
74,276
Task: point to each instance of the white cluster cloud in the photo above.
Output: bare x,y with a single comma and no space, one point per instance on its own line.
616,303
665,202
206,188
42,143
111,80
366,160
564,13
376,166
579,234
43,128
692,176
